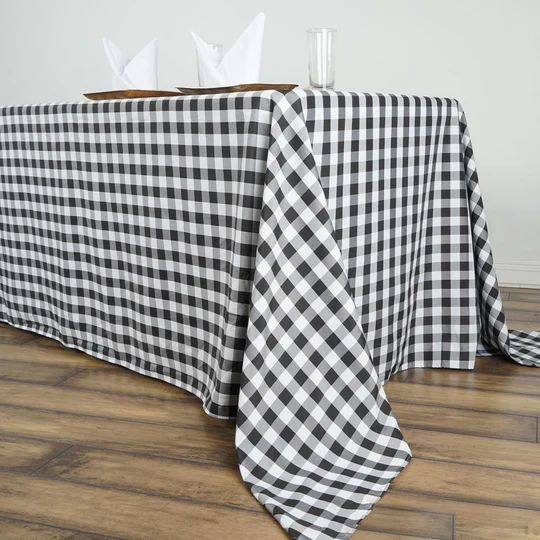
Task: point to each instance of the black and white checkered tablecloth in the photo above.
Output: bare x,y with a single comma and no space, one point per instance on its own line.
278,255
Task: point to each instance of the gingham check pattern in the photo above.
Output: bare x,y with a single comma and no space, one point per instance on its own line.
278,255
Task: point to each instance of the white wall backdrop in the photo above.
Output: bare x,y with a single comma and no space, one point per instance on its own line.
483,52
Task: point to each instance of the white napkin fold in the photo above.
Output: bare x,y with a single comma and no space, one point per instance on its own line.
139,73
241,64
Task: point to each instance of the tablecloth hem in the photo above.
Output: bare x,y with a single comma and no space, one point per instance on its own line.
345,535
53,334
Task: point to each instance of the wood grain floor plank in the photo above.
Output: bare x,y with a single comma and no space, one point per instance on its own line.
515,316
472,521
189,413
11,529
125,382
522,325
464,421
482,364
471,380
8,330
125,514
45,342
471,483
362,534
480,400
400,522
13,336
524,295
525,290
47,356
521,305
508,367
156,476
201,483
467,449
23,454
149,445
197,445
504,366
13,340
180,412
36,373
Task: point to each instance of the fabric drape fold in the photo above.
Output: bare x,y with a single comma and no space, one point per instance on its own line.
317,441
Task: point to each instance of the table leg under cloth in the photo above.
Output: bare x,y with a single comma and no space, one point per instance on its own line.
345,231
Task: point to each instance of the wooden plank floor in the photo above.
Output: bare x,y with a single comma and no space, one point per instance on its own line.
90,450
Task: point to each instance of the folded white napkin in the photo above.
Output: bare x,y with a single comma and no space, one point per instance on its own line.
241,64
139,73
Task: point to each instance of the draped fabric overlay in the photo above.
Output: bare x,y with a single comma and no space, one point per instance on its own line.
495,338
317,442
278,255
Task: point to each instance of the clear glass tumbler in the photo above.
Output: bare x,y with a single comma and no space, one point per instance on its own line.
322,57
215,59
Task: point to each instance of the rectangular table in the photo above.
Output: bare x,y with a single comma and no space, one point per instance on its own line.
278,255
